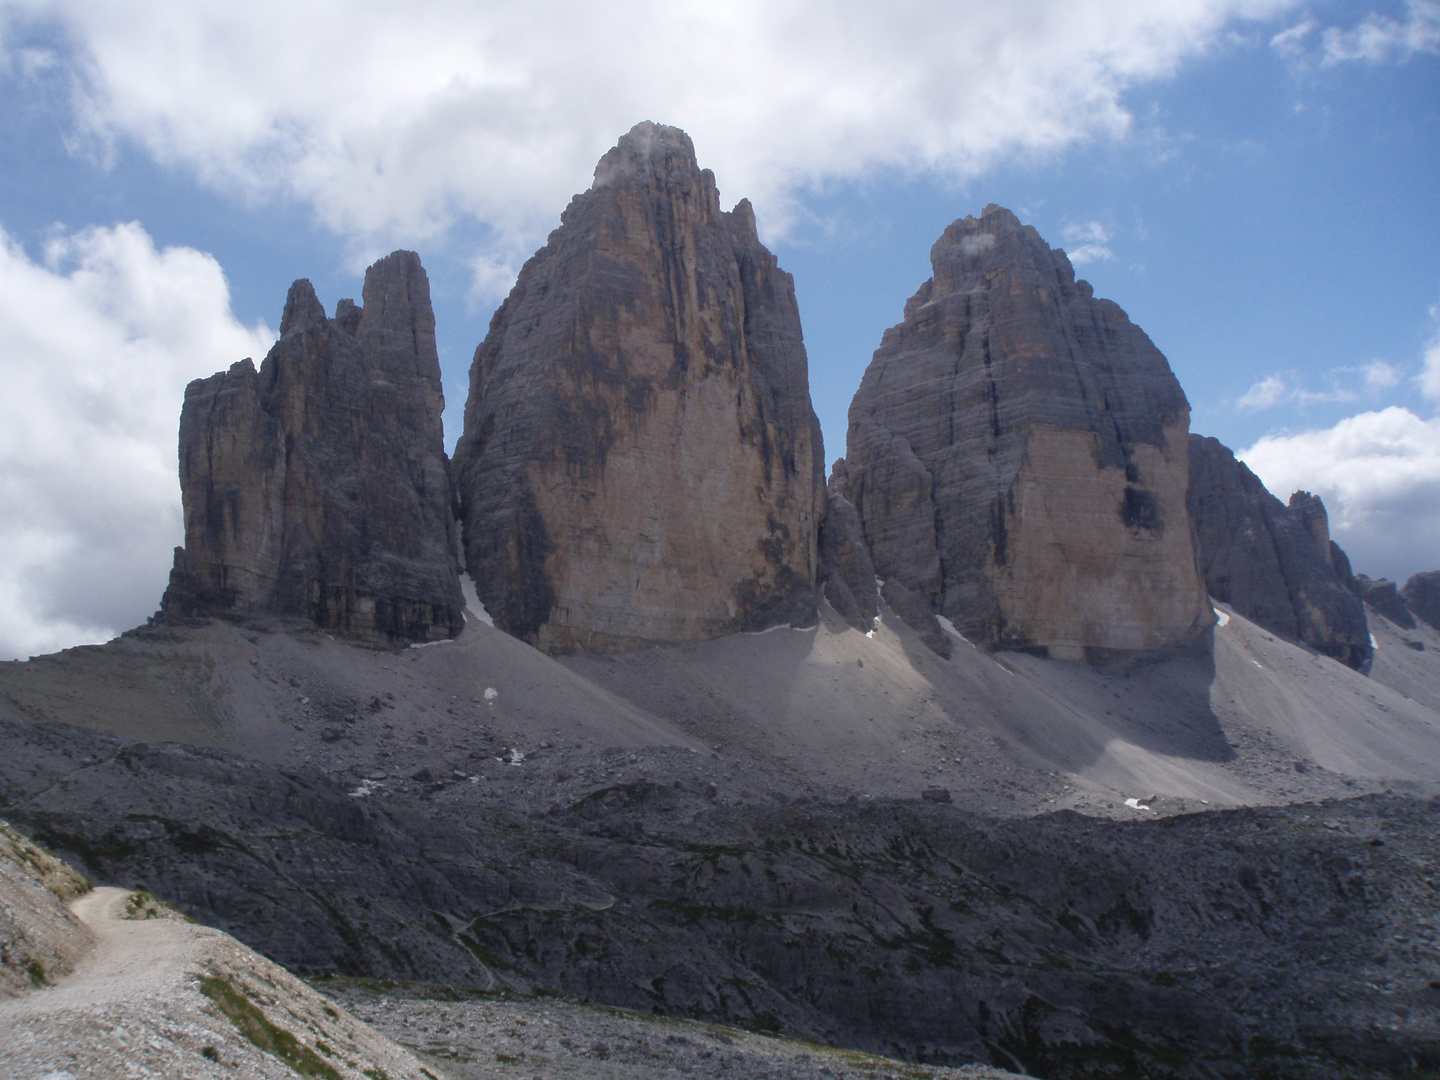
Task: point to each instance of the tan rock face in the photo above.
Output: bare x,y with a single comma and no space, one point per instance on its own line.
1018,454
318,486
640,461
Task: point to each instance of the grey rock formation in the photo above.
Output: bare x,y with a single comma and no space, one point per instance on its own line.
846,575
1422,596
1017,454
1383,596
318,486
1275,564
640,461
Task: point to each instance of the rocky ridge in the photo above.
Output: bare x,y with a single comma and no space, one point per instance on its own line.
1017,454
1274,563
640,461
319,486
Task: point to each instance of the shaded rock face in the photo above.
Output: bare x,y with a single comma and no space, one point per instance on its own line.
1422,596
640,462
1383,596
1017,454
318,486
846,575
1275,564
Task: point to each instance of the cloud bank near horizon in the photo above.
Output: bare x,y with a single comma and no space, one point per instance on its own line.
99,338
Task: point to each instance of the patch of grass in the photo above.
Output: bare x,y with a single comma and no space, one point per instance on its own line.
209,1053
252,1023
508,1059
378,1073
36,971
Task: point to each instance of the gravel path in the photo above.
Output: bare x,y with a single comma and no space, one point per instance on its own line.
135,1007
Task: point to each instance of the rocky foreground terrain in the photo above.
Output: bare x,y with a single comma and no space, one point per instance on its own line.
654,832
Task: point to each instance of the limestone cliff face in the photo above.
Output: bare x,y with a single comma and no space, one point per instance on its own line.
640,461
318,486
1275,564
1422,596
1017,453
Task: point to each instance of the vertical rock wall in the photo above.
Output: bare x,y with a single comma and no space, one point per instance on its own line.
640,461
318,486
1275,564
1017,453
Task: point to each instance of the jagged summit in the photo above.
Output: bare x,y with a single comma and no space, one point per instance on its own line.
318,486
1017,454
640,461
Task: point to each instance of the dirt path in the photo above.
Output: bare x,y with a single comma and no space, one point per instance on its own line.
134,1008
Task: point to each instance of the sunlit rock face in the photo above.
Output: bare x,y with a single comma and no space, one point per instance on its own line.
640,461
318,486
1275,564
1018,455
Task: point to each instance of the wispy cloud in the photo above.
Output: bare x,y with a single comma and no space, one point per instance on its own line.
1375,39
1265,394
1378,38
1087,242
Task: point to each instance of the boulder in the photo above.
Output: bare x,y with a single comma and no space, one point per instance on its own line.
1017,454
1273,563
318,486
1422,596
640,462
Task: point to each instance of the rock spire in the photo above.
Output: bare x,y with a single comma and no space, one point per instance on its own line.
640,461
1275,564
318,486
1017,454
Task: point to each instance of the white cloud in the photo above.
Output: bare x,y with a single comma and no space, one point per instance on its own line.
1430,370
1265,394
1378,38
1381,376
1090,242
396,119
1290,43
97,343
1379,474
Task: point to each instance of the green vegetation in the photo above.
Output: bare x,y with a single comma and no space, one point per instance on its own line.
378,1073
209,1053
36,971
252,1023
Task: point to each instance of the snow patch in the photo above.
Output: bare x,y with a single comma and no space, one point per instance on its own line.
515,757
1136,804
490,695
366,788
427,644
1221,619
949,628
472,600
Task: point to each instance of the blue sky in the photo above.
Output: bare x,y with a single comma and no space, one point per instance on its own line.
1254,181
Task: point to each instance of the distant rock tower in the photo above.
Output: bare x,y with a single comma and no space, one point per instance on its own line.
640,461
1018,455
318,486
1275,564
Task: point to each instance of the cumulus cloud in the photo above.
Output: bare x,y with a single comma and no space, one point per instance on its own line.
395,120
1379,474
1087,243
97,341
